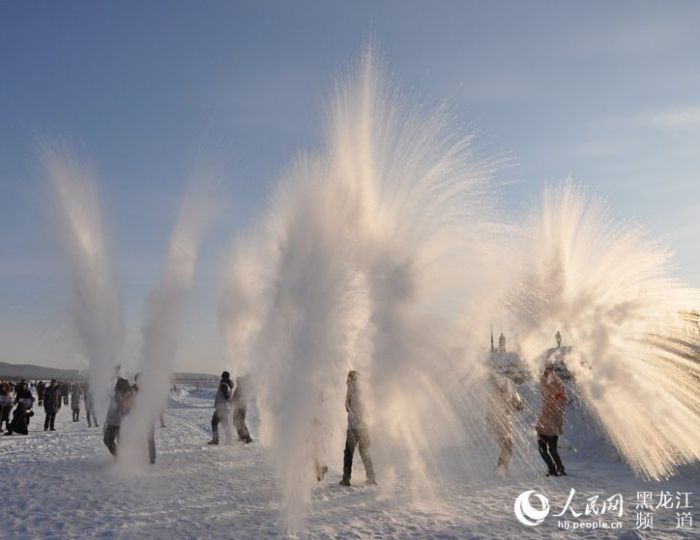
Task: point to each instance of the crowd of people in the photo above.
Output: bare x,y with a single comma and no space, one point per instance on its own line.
230,406
51,397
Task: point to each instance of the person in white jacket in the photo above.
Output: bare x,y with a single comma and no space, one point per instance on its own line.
222,409
504,400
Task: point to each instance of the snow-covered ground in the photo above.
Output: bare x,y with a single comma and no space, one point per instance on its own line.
64,484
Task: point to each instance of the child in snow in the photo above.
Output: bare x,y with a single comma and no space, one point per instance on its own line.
19,421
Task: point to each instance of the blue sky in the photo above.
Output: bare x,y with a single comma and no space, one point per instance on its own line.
608,92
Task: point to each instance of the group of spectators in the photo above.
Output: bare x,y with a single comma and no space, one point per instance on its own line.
230,407
50,396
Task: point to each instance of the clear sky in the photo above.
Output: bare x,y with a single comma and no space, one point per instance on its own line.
608,92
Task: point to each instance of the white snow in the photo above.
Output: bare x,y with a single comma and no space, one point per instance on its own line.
64,484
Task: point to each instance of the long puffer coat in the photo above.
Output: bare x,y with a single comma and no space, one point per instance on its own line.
551,421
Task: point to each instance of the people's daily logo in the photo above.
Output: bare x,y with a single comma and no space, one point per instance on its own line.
526,513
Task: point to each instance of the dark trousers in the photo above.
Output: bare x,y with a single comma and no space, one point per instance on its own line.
110,439
5,416
89,413
49,420
353,438
547,445
215,421
76,415
17,426
239,424
152,446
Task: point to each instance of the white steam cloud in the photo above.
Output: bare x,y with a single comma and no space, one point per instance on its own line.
162,325
605,285
96,303
371,256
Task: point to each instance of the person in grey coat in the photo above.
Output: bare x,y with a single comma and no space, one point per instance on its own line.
75,402
357,432
90,408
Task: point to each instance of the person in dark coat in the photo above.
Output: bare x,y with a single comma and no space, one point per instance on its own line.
357,432
19,421
40,386
119,406
240,403
51,404
24,395
222,409
65,391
